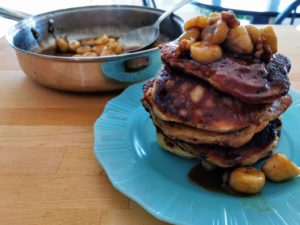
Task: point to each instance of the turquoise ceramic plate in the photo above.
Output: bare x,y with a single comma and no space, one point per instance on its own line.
126,147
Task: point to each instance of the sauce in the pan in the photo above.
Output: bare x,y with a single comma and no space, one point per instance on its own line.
54,50
94,46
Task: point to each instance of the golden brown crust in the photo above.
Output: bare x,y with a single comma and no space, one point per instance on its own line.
191,102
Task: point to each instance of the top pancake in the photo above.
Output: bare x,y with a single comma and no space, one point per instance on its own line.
251,82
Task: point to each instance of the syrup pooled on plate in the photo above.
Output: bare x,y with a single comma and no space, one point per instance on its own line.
212,180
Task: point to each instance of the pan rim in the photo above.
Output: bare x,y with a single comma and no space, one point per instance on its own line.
9,36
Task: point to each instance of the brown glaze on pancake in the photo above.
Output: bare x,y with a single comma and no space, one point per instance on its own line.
249,81
260,146
193,102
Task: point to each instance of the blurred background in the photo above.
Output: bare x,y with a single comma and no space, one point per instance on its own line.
248,11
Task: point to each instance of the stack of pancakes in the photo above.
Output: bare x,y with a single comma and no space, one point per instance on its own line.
225,113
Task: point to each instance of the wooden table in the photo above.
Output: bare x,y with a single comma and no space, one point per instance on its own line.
48,173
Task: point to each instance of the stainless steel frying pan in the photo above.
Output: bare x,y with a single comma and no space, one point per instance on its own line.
33,34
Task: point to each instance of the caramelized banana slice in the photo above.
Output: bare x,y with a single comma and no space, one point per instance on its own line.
187,39
184,45
247,180
214,17
191,34
230,18
205,53
256,39
73,45
199,22
62,45
83,49
279,168
239,41
88,41
254,33
269,35
215,33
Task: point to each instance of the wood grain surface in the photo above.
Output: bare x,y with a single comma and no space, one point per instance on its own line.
48,173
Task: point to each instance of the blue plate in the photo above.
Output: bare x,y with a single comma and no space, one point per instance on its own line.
126,147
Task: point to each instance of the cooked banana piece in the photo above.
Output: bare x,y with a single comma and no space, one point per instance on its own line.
184,45
73,45
88,42
191,34
214,17
205,53
199,22
247,180
187,39
230,18
98,49
83,49
270,37
279,168
106,52
254,33
62,45
115,48
239,41
104,39
215,33
90,54
256,39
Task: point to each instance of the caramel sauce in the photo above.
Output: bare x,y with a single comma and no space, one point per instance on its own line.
54,51
212,180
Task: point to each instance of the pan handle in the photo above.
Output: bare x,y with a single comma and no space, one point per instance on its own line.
116,69
13,14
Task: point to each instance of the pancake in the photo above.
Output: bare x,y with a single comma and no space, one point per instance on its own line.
250,81
170,146
260,146
190,101
199,136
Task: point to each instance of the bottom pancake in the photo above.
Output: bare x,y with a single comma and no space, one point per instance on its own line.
259,147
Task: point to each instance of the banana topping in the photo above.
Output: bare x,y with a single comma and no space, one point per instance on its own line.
279,168
205,53
215,33
247,180
222,32
239,41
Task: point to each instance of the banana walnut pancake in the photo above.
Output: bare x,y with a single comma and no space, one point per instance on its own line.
220,94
